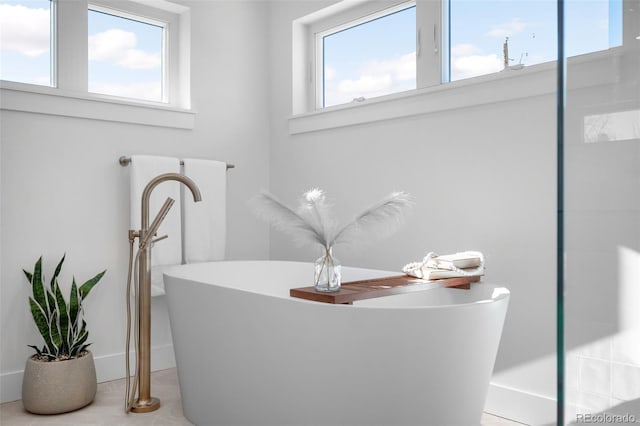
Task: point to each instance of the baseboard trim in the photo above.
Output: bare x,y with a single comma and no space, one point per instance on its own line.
11,386
520,406
108,367
510,403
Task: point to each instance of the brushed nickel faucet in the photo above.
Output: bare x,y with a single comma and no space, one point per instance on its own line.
145,402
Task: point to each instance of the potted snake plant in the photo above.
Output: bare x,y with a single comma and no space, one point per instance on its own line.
61,375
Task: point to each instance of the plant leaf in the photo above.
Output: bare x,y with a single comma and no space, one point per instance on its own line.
76,329
38,351
57,271
42,322
73,306
29,275
87,286
37,287
80,349
54,327
84,335
63,319
79,333
51,301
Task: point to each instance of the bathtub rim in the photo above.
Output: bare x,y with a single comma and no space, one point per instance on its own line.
504,292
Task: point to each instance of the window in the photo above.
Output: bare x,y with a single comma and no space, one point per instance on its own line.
591,26
361,50
131,49
125,55
26,53
370,58
482,33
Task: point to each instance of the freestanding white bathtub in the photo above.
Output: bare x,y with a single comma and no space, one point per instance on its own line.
248,354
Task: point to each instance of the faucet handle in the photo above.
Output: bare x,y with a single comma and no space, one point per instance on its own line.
155,240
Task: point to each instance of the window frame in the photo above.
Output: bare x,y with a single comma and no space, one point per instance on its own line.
154,17
69,95
429,15
433,51
320,35
52,51
53,44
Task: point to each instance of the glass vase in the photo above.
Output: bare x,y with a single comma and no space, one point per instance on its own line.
328,272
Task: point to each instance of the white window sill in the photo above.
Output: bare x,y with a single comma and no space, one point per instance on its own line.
52,101
594,69
492,88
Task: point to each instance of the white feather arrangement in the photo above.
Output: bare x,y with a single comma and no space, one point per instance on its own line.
312,221
378,221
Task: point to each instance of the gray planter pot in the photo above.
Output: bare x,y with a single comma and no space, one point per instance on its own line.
58,387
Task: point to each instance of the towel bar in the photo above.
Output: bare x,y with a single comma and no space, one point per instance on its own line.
125,161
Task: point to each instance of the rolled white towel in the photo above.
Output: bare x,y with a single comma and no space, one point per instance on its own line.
461,264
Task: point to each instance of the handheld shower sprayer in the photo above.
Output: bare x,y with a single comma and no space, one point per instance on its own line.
153,228
142,295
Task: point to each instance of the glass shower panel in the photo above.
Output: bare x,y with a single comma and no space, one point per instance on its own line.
602,219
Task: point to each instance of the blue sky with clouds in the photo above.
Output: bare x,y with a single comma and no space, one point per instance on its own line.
125,56
24,41
373,59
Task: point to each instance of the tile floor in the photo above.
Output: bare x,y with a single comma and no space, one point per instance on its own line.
108,408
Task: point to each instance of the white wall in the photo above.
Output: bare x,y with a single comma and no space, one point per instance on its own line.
484,178
63,190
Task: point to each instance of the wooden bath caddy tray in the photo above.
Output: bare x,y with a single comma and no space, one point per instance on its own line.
379,287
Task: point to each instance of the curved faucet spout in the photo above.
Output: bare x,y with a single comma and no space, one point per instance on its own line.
146,194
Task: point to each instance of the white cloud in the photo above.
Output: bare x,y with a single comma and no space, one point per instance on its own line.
119,46
329,73
508,28
24,29
365,84
149,90
400,68
468,60
464,49
405,67
474,65
374,78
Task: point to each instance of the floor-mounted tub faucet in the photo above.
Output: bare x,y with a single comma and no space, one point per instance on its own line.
145,403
